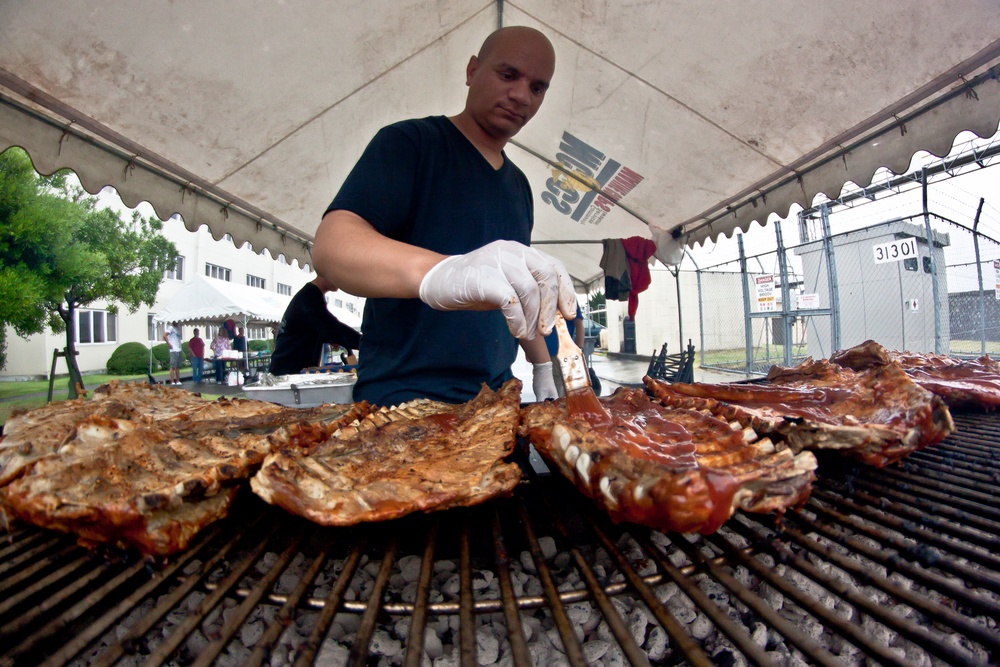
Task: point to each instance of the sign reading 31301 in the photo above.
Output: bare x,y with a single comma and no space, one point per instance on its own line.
894,251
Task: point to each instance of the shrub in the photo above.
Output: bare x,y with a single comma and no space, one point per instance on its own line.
259,345
185,354
129,359
161,356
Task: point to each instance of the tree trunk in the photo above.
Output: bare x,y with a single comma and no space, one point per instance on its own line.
75,378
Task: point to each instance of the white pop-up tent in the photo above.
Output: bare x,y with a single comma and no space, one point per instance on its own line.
700,117
207,299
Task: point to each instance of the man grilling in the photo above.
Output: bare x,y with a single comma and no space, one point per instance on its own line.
432,225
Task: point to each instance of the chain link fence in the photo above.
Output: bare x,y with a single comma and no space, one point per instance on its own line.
913,263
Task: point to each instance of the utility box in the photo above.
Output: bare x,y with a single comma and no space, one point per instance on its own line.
885,288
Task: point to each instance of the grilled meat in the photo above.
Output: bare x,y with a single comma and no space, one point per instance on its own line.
878,415
672,469
959,382
422,456
152,476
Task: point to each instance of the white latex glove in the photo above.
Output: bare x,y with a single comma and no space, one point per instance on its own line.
669,250
529,286
542,382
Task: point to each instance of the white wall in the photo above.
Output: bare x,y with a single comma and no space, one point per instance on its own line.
656,316
32,356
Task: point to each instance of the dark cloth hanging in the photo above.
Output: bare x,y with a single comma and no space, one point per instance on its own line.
614,261
638,251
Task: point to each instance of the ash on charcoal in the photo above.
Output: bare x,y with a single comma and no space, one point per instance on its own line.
409,568
331,654
657,643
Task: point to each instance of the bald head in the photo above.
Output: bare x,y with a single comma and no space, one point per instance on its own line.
518,33
507,82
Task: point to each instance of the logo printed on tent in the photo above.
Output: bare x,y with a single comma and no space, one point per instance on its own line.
592,171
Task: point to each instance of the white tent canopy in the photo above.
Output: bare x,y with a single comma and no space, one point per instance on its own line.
700,117
207,299
210,300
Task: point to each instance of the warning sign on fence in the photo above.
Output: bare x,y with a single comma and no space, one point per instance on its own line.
996,270
765,294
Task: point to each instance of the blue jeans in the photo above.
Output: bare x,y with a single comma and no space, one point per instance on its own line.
220,367
197,367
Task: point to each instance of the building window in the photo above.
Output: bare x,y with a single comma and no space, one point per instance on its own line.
257,333
255,281
213,271
338,303
177,272
154,329
350,307
227,237
284,289
96,326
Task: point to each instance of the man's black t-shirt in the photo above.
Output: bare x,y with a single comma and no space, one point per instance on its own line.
422,182
305,326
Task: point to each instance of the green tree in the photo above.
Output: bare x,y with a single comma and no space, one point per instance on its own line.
597,308
60,252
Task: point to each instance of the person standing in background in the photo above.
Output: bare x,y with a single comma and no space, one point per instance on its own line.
306,326
172,336
240,345
197,347
219,345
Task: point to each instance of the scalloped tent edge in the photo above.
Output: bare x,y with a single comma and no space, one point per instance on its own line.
188,123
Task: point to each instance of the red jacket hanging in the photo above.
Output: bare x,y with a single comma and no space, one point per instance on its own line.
638,250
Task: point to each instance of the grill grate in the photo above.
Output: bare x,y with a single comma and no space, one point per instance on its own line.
899,566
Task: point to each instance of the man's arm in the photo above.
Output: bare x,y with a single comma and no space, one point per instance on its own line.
361,261
527,285
333,330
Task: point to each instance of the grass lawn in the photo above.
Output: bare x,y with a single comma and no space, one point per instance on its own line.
60,387
60,391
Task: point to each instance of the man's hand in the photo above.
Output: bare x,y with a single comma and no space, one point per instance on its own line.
529,286
542,382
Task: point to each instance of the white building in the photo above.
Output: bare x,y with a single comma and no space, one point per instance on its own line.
98,332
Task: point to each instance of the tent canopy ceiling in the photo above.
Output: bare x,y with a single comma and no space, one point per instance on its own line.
697,117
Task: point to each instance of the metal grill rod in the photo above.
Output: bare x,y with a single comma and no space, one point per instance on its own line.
942,517
166,603
359,648
863,603
812,606
191,622
418,620
307,652
914,484
32,554
515,631
918,602
918,553
467,623
574,652
614,620
687,586
894,562
97,627
241,613
273,632
880,516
